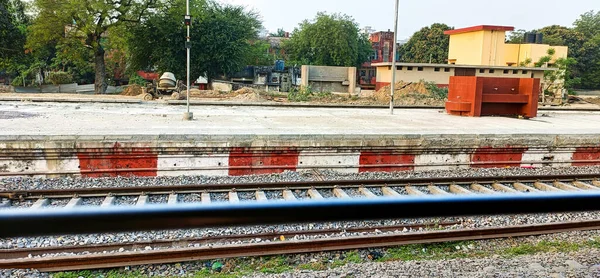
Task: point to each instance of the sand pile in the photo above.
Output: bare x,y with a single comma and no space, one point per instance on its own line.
132,90
246,94
402,89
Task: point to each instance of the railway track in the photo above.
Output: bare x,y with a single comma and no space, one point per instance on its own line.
293,191
170,251
91,260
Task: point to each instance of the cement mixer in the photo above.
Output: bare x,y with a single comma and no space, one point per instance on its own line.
166,85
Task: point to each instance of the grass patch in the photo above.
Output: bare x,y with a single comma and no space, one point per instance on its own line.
449,250
349,257
547,247
275,265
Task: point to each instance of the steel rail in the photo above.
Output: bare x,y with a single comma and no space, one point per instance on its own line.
94,261
19,194
25,252
85,220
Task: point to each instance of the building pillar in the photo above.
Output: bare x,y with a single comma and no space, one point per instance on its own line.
305,76
352,80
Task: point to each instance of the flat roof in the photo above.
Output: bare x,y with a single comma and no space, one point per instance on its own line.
389,64
479,28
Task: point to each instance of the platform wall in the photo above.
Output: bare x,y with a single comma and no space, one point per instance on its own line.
151,156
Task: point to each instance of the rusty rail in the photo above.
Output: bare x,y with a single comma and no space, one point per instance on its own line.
25,252
94,261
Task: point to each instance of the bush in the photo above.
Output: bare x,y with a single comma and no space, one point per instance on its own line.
137,80
17,82
60,77
437,92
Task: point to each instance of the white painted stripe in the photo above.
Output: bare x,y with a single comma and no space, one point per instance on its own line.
191,165
45,164
536,157
339,162
440,161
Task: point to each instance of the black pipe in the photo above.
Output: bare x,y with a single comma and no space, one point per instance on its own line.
31,222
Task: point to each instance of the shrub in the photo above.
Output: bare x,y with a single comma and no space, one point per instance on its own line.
60,77
137,80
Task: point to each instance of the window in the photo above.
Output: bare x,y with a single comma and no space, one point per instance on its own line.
525,72
515,72
436,69
505,71
420,68
447,70
481,71
409,68
398,68
492,71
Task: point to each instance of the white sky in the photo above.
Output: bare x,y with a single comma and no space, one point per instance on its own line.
521,14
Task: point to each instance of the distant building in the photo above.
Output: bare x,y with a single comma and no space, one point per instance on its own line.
383,48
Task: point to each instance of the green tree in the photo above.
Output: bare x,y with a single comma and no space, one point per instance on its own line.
517,36
221,35
427,45
13,24
86,23
280,33
329,40
259,54
588,55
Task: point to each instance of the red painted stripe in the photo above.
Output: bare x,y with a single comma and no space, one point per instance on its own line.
488,157
591,155
405,162
97,163
277,161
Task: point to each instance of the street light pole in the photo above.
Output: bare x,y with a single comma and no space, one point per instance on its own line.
395,50
188,116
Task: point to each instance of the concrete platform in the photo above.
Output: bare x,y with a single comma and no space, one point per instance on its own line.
96,140
154,119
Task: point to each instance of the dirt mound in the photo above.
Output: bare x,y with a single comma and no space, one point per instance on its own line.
244,91
593,100
408,94
132,90
247,97
402,88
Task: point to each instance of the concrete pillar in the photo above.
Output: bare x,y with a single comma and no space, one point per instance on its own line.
352,79
305,76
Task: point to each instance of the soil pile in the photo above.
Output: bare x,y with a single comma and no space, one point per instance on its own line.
595,100
245,94
408,94
402,88
132,90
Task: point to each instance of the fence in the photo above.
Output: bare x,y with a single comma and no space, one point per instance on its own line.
62,89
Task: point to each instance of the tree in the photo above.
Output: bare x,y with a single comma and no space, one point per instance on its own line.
517,36
13,24
221,35
588,55
427,45
329,40
85,23
280,33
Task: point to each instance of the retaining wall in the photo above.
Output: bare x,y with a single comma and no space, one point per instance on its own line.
102,156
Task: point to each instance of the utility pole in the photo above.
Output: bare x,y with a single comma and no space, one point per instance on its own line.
393,86
188,116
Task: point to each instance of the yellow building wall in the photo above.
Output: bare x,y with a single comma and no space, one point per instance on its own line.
533,52
512,54
429,74
466,48
493,51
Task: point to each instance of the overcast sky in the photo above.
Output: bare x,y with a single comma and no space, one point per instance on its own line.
414,14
